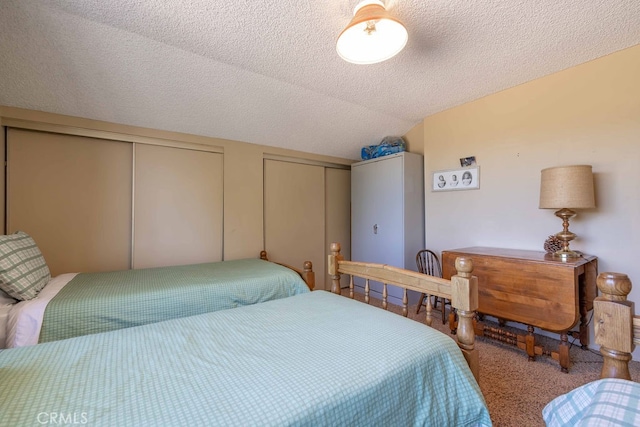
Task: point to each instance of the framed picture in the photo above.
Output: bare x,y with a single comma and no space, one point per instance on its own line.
456,179
467,161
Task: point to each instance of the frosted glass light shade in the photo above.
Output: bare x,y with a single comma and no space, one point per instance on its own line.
372,36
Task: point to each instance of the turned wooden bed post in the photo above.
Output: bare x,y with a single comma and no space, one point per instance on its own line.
464,298
334,258
614,324
308,275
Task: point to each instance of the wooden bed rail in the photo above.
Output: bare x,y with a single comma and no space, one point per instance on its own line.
617,328
307,273
461,290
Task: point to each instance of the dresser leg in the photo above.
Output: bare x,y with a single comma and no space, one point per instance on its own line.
584,336
563,351
531,343
584,331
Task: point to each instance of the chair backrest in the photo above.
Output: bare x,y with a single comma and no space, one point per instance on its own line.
428,263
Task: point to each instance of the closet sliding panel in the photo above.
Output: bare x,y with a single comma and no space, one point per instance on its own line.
294,215
338,213
177,206
73,195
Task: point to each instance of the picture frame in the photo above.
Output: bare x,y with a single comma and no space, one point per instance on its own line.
467,161
456,179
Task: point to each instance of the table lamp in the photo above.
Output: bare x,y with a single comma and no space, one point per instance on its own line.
567,188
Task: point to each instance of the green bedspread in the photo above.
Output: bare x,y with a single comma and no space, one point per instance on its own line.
100,302
315,359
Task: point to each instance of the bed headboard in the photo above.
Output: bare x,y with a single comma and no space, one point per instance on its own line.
462,290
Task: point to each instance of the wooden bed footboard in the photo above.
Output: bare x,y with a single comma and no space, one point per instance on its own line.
306,273
617,328
462,290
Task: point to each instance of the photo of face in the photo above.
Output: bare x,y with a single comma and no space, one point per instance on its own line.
466,178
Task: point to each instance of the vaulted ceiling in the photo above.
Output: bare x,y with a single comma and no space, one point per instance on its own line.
267,72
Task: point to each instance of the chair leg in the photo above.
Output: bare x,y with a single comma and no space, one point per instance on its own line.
453,321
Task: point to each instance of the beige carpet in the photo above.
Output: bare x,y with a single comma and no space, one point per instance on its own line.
516,389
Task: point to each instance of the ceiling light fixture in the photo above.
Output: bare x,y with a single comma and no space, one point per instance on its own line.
372,36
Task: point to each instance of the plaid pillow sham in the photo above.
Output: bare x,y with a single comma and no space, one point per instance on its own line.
23,269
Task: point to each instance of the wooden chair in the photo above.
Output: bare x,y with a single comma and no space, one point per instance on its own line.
428,263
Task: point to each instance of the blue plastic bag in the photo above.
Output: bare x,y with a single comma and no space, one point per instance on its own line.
389,145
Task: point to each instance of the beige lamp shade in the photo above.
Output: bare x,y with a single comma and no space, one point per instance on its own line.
372,36
568,187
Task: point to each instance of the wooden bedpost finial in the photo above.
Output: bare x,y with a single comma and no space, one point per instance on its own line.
263,255
464,266
307,266
613,286
308,274
335,248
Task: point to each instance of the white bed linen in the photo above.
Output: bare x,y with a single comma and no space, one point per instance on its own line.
25,317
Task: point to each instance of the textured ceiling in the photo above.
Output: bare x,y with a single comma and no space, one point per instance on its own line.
267,72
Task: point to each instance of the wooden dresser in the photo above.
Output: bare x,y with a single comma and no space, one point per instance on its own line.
532,288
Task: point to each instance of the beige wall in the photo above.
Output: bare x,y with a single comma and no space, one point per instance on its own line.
243,230
589,114
415,139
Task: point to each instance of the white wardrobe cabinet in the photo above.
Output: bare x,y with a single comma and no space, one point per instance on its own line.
387,213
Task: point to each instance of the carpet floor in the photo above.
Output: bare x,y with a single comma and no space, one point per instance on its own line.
516,389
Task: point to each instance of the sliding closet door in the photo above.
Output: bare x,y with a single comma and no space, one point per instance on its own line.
338,213
73,195
294,215
177,206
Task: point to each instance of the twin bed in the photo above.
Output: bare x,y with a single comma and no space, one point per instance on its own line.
314,358
77,304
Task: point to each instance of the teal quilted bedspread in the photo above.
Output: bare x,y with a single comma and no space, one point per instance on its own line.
315,359
100,302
